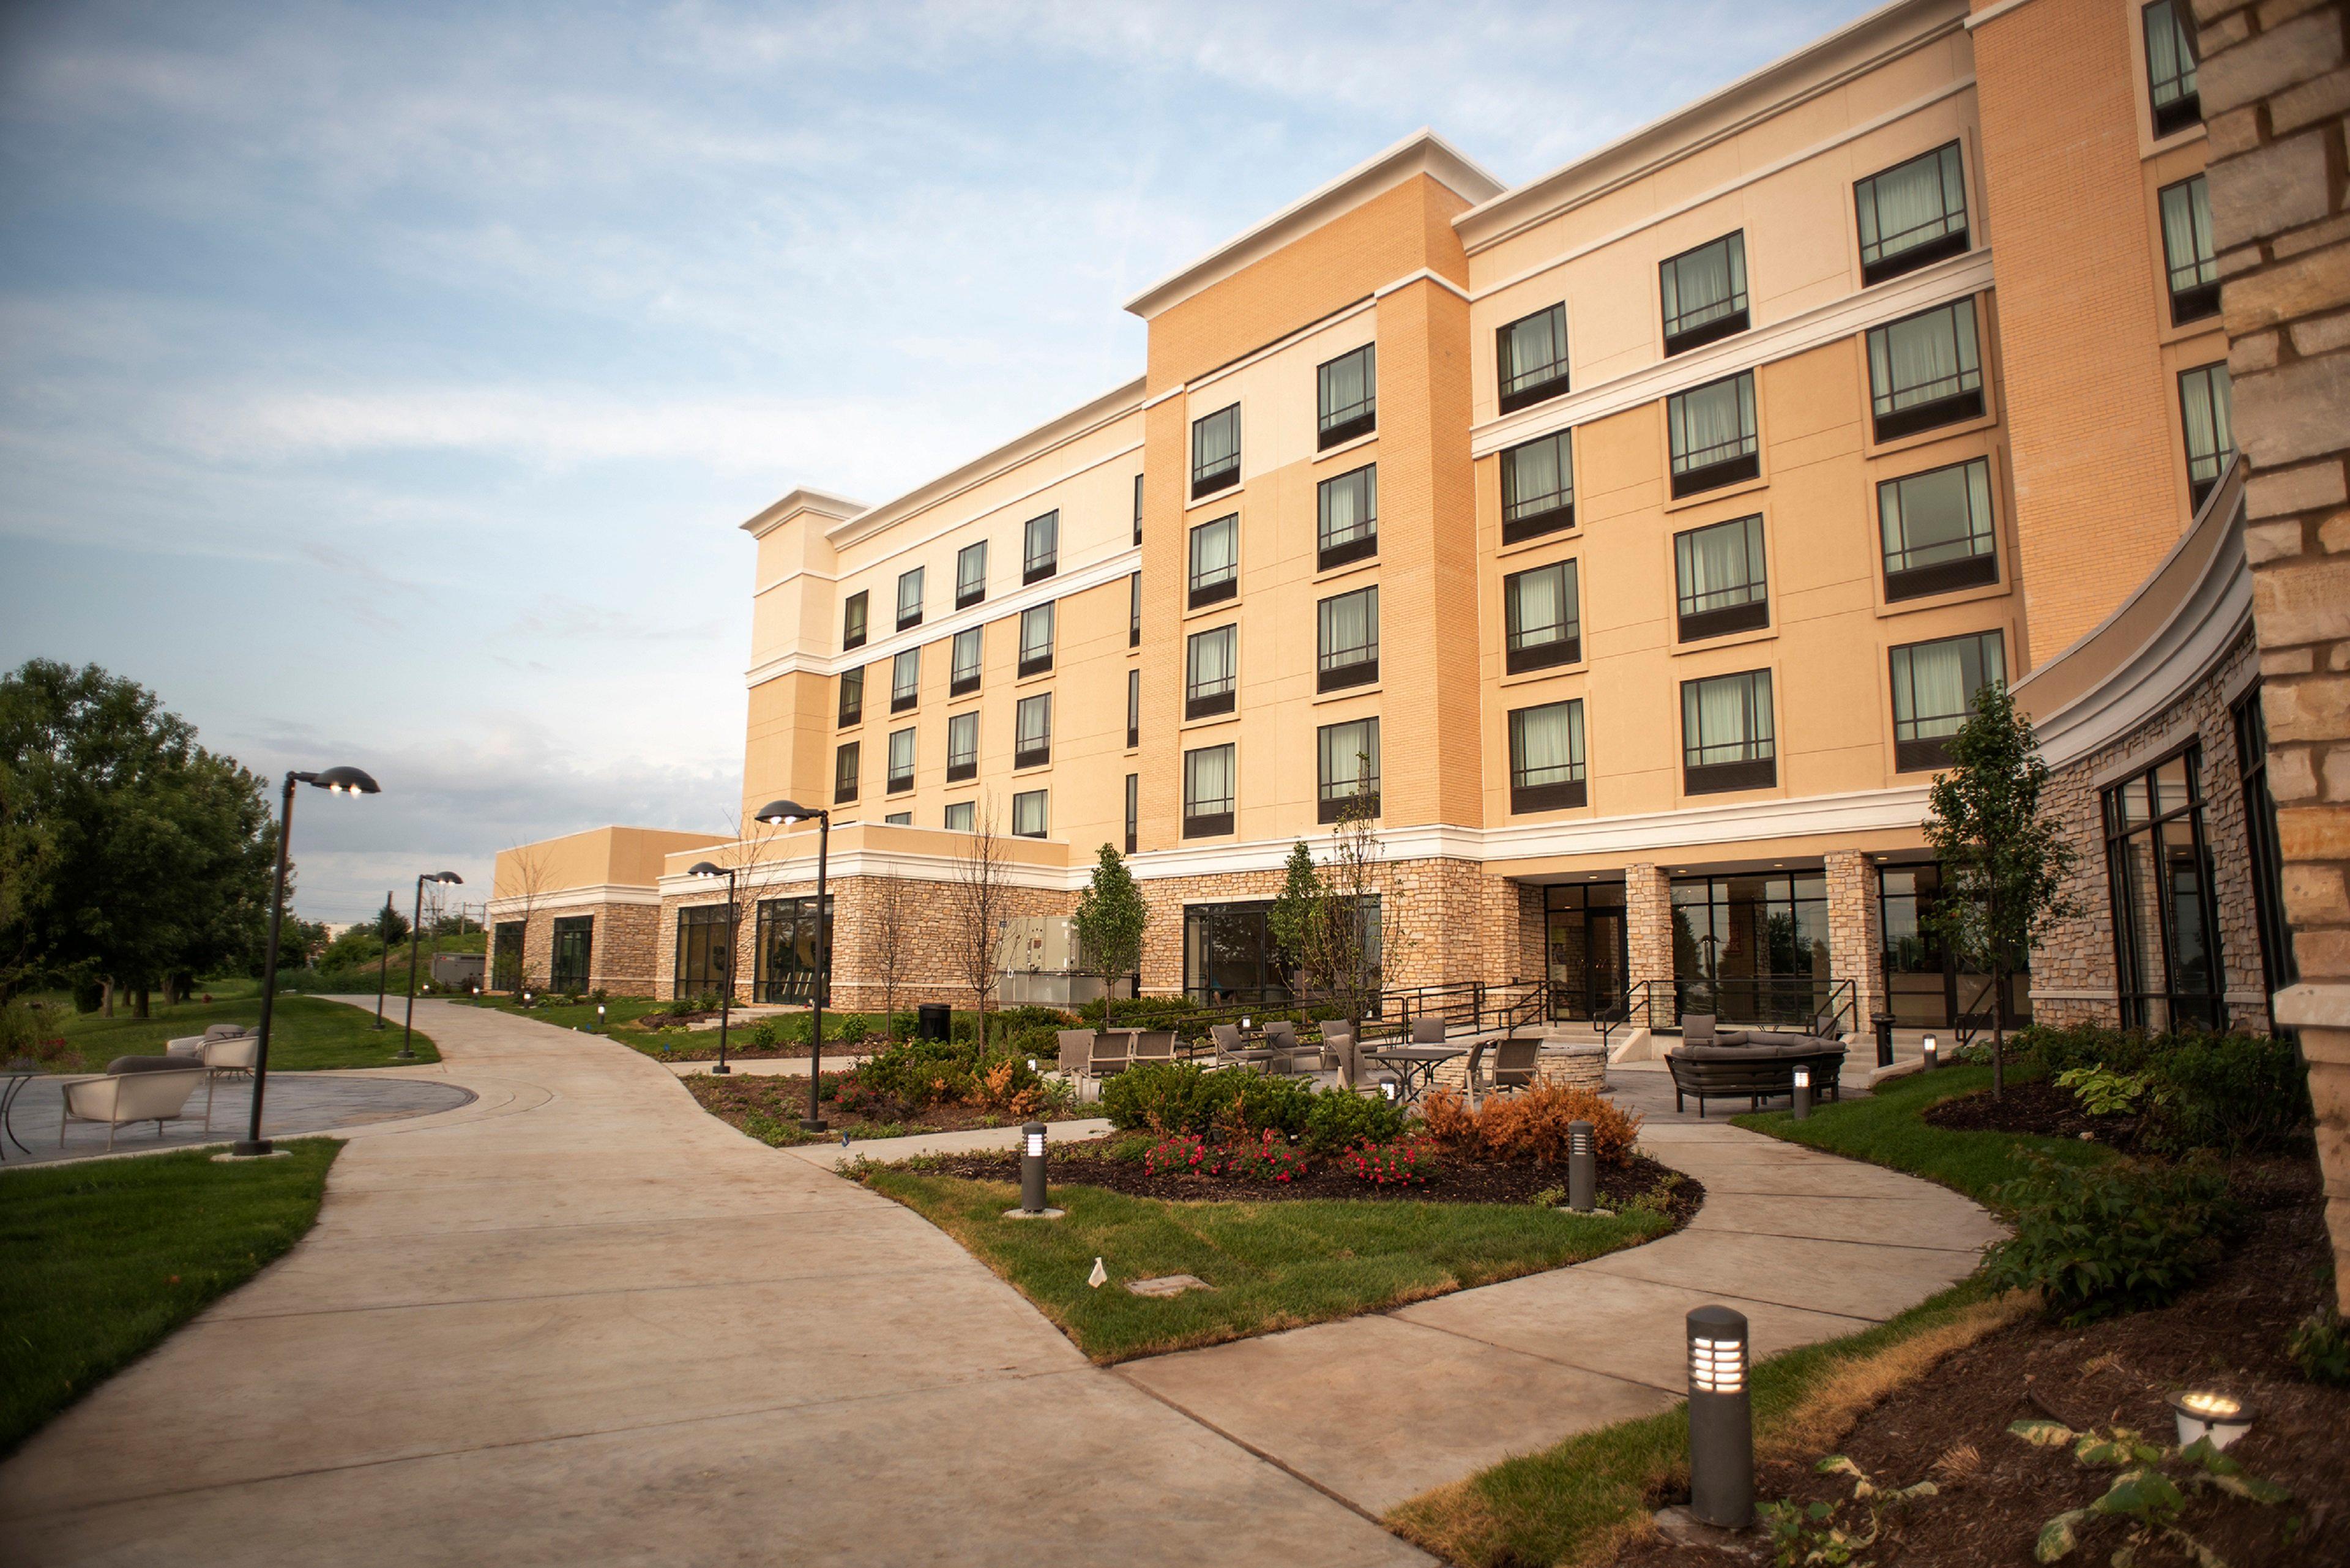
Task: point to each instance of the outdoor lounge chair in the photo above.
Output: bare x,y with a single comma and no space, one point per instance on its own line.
1154,1045
1338,1052
1282,1037
1428,1031
1227,1039
121,1099
1110,1054
1515,1063
1077,1049
1753,1072
230,1056
1697,1029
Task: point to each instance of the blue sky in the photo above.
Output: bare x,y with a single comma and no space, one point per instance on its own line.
383,384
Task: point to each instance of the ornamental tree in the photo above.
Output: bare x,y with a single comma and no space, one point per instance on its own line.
1110,920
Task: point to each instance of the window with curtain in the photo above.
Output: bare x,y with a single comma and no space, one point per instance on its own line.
1347,397
1348,767
1937,530
1924,371
852,622
909,598
959,816
1036,640
963,673
852,697
2170,69
905,679
1040,553
2188,253
1546,757
1133,810
1133,708
1912,215
1934,686
971,574
1720,572
1033,731
1215,451
1348,510
1208,791
1028,814
2203,408
1138,509
1704,293
844,773
1712,432
1532,355
1134,610
1538,610
1346,640
1210,660
1537,488
901,759
1215,560
1728,738
962,746
2166,917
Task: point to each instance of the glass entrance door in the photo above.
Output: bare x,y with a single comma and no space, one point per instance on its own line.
1586,938
786,949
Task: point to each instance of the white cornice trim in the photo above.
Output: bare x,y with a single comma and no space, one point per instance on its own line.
794,574
1339,318
1422,275
824,504
1985,15
864,862
565,898
1009,502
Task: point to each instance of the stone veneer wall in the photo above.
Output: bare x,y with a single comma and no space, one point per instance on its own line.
1648,936
621,949
1855,932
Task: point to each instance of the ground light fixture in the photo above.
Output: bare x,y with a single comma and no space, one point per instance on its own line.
784,814
1933,1052
1800,1099
725,996
334,781
2206,1413
599,1018
1721,1419
408,1028
1578,1167
1032,1205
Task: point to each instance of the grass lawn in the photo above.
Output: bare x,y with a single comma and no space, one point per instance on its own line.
617,1010
304,1033
102,1258
1273,1265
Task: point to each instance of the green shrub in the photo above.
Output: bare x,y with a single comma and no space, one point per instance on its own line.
1340,1119
2106,1238
2320,1347
1041,1045
1180,1098
1258,1102
2237,1094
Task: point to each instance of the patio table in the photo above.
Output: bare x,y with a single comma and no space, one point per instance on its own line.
1415,1066
15,1078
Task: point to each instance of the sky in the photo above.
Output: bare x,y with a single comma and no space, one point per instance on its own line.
383,385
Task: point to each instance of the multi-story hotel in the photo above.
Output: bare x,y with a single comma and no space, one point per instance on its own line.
1633,539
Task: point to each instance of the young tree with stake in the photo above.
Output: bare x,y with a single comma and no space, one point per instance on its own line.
1110,920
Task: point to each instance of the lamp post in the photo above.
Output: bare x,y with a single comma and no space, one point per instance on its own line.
334,781
408,1026
783,814
383,958
725,997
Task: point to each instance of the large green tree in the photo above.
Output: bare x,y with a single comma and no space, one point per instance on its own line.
1110,920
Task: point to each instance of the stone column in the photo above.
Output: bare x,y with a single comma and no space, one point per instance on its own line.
2274,82
1855,931
1649,933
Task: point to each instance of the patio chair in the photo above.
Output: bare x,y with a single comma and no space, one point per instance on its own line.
1283,1038
1697,1029
1109,1054
1227,1038
121,1099
1154,1045
1515,1063
230,1056
1077,1049
1428,1031
1338,1052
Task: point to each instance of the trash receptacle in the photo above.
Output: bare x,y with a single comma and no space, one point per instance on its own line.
1883,1022
930,1020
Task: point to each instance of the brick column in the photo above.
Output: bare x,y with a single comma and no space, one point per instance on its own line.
1649,933
1855,931
2275,84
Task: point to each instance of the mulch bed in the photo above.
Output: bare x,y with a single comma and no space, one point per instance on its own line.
704,1048
2229,1333
2038,1106
738,1100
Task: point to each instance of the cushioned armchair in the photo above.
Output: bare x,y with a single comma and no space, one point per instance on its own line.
121,1099
228,1056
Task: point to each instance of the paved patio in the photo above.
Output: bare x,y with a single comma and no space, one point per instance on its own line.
295,1104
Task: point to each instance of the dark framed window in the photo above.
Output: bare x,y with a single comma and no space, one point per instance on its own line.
963,747
844,773
1912,215
1728,738
2170,69
571,947
1035,640
1347,768
1712,432
901,759
1346,640
2203,408
1229,956
1210,672
784,950
909,598
1133,810
1537,488
1532,355
852,622
1208,791
1753,949
1347,513
1924,371
1040,552
505,968
2279,968
963,662
2188,253
1937,530
705,949
852,697
1704,293
1542,626
1934,686
905,679
1138,509
1546,757
1031,744
1134,610
1927,985
898,819
1215,451
1347,397
1215,561
1133,708
1720,572
1028,814
2166,916
971,574
959,816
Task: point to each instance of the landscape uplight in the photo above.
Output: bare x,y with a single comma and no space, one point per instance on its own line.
1578,1167
1721,1419
2206,1413
1802,1098
783,814
599,1018
407,1052
725,997
1933,1052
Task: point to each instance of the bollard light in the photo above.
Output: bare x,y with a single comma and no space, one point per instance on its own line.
1884,1021
1721,1419
599,1018
2202,1413
1032,1168
1802,1098
1388,1089
1933,1052
1031,1064
1578,1167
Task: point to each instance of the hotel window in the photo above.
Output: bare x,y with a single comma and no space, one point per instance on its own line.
1937,528
1028,814
898,819
1134,610
1033,742
844,773
852,622
1133,810
1721,575
910,600
1539,608
1347,397
506,973
1208,792
1348,768
1546,757
971,574
1210,661
1040,554
1924,371
963,747
705,934
1728,741
567,965
1036,640
1215,451
1934,686
852,697
1138,509
1532,354
1537,488
905,679
1348,509
1712,432
1912,215
2203,400
2170,69
962,669
1133,708
2166,918
959,816
2187,251
1347,642
901,759
1704,294
2278,968
1215,561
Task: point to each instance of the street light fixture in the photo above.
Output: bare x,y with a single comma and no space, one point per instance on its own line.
725,997
783,814
407,1052
334,781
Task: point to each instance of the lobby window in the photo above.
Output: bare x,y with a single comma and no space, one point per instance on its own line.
1712,432
971,574
1215,451
959,816
2278,967
1133,708
1040,552
909,598
901,759
1924,371
1138,509
852,622
1720,572
1704,293
506,973
1133,810
1937,530
1208,792
1346,640
1934,686
2203,398
1537,488
1215,561
905,679
962,665
963,747
2165,918
1539,608
1036,640
1028,814
1032,734
898,819
569,945
1347,397
1134,610
1752,948
1347,769
705,942
1347,509
2188,253
1211,660
844,773
1912,215
2170,69
1727,740
852,697
1532,355
1546,757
